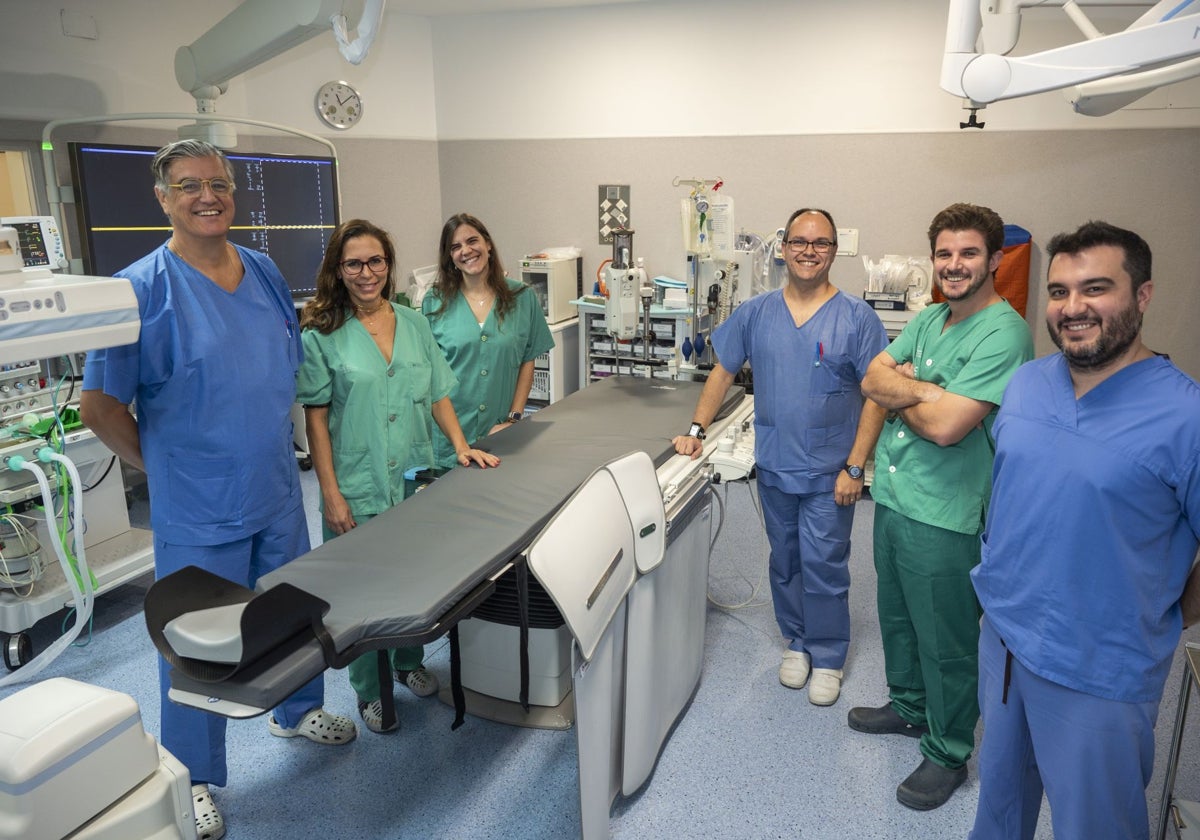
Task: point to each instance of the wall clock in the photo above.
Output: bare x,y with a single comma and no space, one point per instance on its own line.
339,105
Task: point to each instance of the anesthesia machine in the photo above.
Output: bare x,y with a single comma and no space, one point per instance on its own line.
75,761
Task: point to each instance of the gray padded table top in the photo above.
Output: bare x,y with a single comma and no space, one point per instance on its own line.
401,571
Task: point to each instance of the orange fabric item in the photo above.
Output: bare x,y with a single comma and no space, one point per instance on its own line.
1012,277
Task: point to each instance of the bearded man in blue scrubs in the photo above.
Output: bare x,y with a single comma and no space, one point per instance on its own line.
213,374
1088,574
809,346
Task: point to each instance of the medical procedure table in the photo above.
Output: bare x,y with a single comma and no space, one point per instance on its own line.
590,498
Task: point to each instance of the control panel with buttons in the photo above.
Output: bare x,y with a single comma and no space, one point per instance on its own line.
23,388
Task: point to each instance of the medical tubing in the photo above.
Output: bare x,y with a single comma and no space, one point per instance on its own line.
76,509
84,590
756,587
83,597
720,517
31,547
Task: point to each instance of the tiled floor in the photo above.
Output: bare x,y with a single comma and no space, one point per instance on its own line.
750,759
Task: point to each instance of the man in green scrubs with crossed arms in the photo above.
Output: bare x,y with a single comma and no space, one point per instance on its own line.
942,379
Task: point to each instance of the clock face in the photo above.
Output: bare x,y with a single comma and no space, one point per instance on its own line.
339,105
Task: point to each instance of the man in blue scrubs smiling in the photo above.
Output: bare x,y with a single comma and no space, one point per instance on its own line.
809,346
213,374
1088,568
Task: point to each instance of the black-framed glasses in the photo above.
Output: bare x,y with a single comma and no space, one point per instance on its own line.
195,186
821,246
376,264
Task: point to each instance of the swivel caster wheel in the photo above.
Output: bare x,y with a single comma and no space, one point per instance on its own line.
305,463
18,650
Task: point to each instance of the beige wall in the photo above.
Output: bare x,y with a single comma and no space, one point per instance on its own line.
538,193
535,194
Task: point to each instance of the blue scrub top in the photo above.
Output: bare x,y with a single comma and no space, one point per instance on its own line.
807,396
212,379
1094,524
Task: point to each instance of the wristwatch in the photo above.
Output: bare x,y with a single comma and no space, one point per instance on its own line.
696,431
855,471
514,416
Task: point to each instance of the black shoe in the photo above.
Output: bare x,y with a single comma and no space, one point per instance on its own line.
929,786
882,721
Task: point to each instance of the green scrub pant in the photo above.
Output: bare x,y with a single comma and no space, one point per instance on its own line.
364,671
929,618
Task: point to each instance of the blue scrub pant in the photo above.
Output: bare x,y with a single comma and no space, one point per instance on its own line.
195,737
1093,756
810,571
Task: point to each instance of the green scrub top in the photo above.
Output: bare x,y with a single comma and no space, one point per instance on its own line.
486,360
949,486
380,414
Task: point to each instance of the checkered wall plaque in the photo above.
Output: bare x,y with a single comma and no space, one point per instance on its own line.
614,210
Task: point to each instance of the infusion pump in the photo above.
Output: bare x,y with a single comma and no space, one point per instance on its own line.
39,241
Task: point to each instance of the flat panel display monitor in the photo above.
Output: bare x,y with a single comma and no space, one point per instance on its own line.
286,207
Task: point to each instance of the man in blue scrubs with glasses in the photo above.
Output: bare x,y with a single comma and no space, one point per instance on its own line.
808,345
213,375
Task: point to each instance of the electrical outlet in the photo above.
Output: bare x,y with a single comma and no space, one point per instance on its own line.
614,210
847,242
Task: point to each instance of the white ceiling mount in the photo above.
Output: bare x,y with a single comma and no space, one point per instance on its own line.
1110,71
258,30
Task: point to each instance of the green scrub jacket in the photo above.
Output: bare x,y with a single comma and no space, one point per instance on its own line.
380,414
486,360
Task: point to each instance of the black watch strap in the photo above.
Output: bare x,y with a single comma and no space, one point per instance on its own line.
696,431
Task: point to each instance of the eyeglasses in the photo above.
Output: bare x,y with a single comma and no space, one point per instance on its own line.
821,246
195,186
376,264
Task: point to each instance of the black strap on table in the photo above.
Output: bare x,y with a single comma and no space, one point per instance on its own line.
456,689
522,570
386,699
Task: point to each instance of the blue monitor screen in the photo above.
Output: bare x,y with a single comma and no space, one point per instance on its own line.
286,207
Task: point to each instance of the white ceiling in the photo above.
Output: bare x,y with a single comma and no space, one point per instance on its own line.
439,8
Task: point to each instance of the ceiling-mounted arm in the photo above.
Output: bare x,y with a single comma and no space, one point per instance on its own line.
1156,38
1097,99
999,25
259,30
